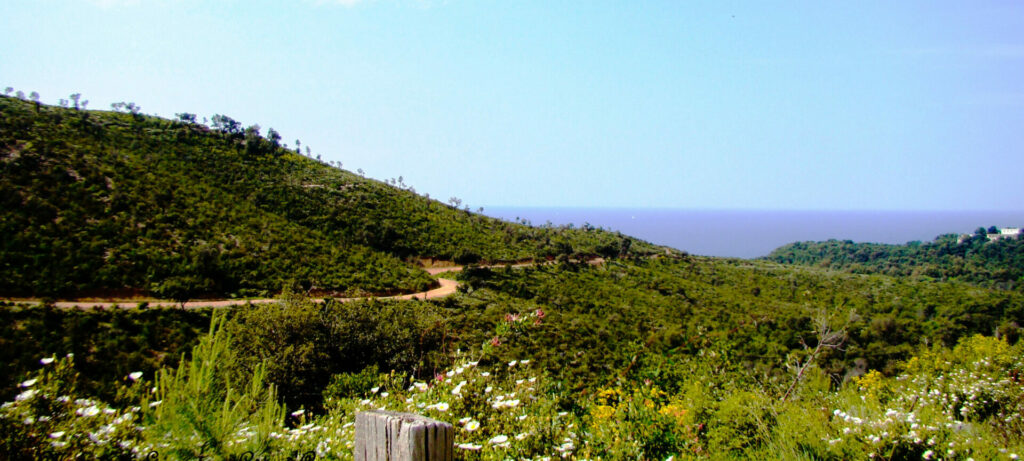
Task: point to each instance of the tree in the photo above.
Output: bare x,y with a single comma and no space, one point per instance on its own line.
993,230
75,98
186,117
274,137
8,91
226,124
119,106
34,96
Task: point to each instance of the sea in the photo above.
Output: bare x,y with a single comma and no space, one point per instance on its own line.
754,233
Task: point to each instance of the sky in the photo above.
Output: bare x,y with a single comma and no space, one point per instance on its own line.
805,105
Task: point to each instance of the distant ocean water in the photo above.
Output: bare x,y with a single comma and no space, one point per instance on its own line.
751,234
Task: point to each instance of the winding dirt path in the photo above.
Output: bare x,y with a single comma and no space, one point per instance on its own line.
447,288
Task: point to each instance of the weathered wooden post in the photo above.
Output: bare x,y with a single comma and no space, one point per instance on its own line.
392,436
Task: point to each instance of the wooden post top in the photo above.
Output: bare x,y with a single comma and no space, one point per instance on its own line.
383,435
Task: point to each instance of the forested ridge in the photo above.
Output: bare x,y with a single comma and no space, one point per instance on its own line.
974,258
114,203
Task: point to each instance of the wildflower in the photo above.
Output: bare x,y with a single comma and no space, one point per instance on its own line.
469,446
441,406
513,363
422,387
540,313
298,413
384,394
28,383
25,395
472,426
57,435
374,390
521,436
465,420
928,455
153,404
46,360
90,411
524,362
134,376
499,439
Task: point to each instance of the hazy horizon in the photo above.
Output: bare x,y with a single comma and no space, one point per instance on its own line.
755,233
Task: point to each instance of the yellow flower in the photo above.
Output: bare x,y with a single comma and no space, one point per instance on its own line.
603,412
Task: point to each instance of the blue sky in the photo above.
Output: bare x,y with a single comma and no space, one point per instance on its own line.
711,105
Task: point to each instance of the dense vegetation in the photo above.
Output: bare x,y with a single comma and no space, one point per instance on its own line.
648,357
119,203
977,260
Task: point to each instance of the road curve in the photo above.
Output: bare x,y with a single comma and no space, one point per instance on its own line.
447,287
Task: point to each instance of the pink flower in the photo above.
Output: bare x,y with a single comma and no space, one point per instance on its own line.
540,313
495,341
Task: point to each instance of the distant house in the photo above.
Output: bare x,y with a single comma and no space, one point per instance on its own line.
1006,232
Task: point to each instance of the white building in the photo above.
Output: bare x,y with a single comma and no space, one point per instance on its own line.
1005,232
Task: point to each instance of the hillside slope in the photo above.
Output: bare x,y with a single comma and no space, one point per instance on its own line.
976,260
109,203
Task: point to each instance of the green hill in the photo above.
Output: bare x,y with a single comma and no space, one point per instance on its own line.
976,260
101,203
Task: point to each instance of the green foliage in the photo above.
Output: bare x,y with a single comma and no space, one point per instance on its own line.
603,322
107,344
305,345
115,204
204,407
998,264
352,385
